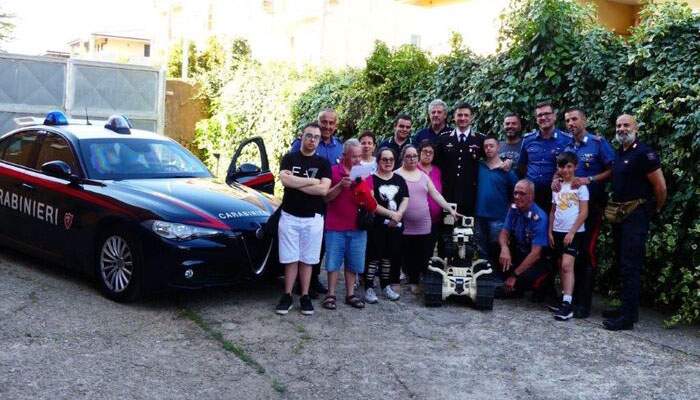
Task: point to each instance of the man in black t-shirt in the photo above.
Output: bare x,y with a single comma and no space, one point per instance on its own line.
306,179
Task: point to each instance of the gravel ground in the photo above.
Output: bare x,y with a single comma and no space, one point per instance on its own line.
62,340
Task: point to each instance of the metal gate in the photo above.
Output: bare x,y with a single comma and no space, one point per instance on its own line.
31,85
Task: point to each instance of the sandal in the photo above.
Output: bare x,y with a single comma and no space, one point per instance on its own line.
329,302
354,301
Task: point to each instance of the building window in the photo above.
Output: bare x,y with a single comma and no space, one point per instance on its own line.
146,50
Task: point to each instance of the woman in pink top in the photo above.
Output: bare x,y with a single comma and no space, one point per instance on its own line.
416,244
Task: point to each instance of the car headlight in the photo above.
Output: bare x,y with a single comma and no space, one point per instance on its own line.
171,230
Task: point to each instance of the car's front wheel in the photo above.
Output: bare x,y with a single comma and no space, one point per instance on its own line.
119,265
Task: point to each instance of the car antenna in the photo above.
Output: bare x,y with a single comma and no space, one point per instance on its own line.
87,119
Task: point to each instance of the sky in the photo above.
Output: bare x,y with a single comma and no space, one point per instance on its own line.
42,25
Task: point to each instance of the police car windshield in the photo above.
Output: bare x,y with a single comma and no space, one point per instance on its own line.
139,159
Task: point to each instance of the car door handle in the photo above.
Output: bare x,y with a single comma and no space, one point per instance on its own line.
26,186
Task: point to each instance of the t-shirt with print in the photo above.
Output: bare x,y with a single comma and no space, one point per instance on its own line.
566,202
389,193
294,201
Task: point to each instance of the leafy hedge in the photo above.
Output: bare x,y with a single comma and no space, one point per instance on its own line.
549,49
555,50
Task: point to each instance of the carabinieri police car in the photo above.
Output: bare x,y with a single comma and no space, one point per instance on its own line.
133,208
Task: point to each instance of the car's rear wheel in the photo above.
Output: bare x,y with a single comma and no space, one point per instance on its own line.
119,265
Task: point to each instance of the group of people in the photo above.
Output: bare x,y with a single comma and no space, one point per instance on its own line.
538,200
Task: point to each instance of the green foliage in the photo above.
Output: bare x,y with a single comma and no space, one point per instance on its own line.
554,50
255,100
661,86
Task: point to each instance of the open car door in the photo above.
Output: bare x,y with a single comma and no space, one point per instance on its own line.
250,166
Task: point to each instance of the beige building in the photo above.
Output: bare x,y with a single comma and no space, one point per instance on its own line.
337,33
113,47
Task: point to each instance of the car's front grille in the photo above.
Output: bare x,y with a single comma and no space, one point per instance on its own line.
258,251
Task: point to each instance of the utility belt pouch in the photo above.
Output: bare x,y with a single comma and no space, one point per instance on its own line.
616,212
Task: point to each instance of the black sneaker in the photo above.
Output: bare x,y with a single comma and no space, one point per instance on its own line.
553,306
306,307
618,324
613,313
284,305
565,311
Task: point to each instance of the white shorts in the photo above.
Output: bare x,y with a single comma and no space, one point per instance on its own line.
300,238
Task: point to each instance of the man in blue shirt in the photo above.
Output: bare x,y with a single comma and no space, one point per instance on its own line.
596,157
522,241
493,194
539,153
437,111
330,147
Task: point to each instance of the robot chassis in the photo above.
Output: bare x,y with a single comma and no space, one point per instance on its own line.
461,273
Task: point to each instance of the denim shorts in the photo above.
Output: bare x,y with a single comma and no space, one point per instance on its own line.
345,248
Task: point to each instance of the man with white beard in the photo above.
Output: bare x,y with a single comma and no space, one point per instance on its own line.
638,192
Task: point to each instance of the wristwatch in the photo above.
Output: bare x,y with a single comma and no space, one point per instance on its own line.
591,179
514,274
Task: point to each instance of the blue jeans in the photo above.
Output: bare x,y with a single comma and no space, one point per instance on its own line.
345,247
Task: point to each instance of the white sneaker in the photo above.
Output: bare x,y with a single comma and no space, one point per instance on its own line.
370,296
390,294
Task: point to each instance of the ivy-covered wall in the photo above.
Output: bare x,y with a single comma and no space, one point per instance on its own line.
549,49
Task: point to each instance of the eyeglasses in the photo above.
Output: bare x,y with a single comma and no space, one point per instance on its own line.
519,193
386,159
544,114
410,156
310,136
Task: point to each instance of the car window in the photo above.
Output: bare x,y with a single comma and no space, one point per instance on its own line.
56,148
139,158
20,148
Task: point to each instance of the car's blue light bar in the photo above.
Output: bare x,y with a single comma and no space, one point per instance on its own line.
56,118
119,124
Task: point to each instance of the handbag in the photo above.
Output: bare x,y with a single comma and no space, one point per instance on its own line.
616,212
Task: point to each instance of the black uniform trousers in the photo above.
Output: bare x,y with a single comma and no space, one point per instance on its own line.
629,237
586,261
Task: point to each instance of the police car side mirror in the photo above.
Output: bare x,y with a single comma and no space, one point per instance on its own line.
58,169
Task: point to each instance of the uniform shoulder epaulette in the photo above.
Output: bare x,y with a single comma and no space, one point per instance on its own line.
529,134
597,138
479,134
566,134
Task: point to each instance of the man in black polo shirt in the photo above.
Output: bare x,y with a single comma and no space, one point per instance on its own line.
401,138
306,178
437,112
636,180
457,154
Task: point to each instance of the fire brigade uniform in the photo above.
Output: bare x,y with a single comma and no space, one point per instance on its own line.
457,156
629,183
595,155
